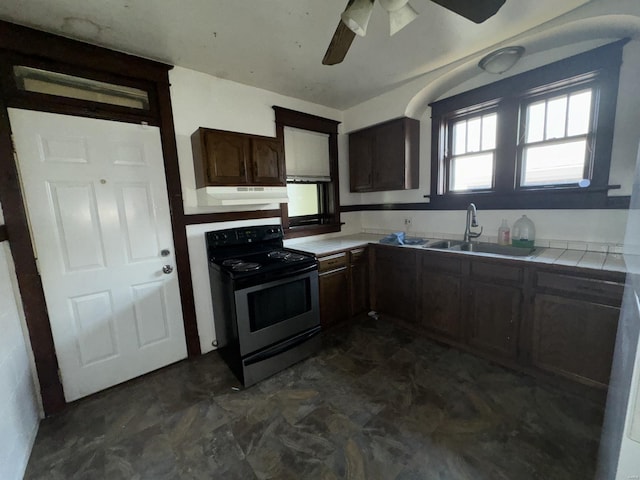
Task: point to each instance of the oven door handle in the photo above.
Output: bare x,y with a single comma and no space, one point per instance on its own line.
282,347
244,283
292,273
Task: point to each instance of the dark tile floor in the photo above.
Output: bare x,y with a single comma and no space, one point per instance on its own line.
376,403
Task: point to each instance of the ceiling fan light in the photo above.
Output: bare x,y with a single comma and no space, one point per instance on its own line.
357,15
398,19
501,60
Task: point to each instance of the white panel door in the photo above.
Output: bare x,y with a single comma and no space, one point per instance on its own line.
98,208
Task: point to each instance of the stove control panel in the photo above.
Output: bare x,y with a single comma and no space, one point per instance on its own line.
243,236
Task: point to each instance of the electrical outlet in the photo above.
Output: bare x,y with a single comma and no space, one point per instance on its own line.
407,221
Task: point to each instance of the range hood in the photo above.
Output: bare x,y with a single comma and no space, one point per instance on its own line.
229,196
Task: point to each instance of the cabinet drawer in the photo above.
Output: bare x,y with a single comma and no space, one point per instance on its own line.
439,263
584,286
332,262
494,271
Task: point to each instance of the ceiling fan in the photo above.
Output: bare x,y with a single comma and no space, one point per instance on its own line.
356,16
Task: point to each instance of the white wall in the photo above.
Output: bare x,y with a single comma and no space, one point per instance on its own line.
201,100
19,402
596,230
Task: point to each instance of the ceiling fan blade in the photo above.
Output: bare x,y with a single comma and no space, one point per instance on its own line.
339,46
475,10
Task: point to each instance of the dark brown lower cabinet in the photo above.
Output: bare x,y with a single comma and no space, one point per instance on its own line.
395,276
344,285
441,296
544,320
334,297
359,281
574,338
493,318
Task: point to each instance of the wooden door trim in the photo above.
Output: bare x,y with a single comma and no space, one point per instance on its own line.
28,278
68,53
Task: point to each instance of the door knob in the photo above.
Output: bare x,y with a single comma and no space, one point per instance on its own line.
167,269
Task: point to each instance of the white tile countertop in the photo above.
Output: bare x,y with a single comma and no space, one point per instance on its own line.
553,256
336,244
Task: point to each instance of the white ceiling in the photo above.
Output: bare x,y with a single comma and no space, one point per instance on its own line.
278,45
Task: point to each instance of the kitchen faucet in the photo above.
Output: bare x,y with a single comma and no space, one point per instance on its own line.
472,221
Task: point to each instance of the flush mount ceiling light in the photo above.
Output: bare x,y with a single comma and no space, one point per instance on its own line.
501,60
401,14
356,16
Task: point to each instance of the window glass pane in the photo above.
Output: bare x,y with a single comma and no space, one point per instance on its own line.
303,199
554,164
460,137
472,172
54,83
579,113
489,123
535,122
473,134
556,117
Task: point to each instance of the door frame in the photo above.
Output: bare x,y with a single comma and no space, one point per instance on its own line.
76,58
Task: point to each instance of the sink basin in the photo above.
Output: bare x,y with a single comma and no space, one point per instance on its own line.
482,247
445,244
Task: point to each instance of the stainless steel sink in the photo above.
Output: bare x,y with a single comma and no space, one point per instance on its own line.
445,244
508,250
483,247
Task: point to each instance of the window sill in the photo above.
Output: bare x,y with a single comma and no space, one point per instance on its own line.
309,230
545,199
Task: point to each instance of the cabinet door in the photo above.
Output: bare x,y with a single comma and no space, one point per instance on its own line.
493,318
361,151
395,283
334,297
359,282
441,303
389,161
267,162
227,157
574,338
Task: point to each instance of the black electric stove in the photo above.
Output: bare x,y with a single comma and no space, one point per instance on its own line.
265,300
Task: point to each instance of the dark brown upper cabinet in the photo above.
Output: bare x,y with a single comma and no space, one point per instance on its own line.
385,156
230,158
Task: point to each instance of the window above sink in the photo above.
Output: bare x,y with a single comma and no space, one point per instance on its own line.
540,139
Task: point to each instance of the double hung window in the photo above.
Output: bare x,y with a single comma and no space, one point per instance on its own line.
541,139
473,153
555,139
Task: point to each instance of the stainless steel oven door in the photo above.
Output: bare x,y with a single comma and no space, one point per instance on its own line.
274,311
